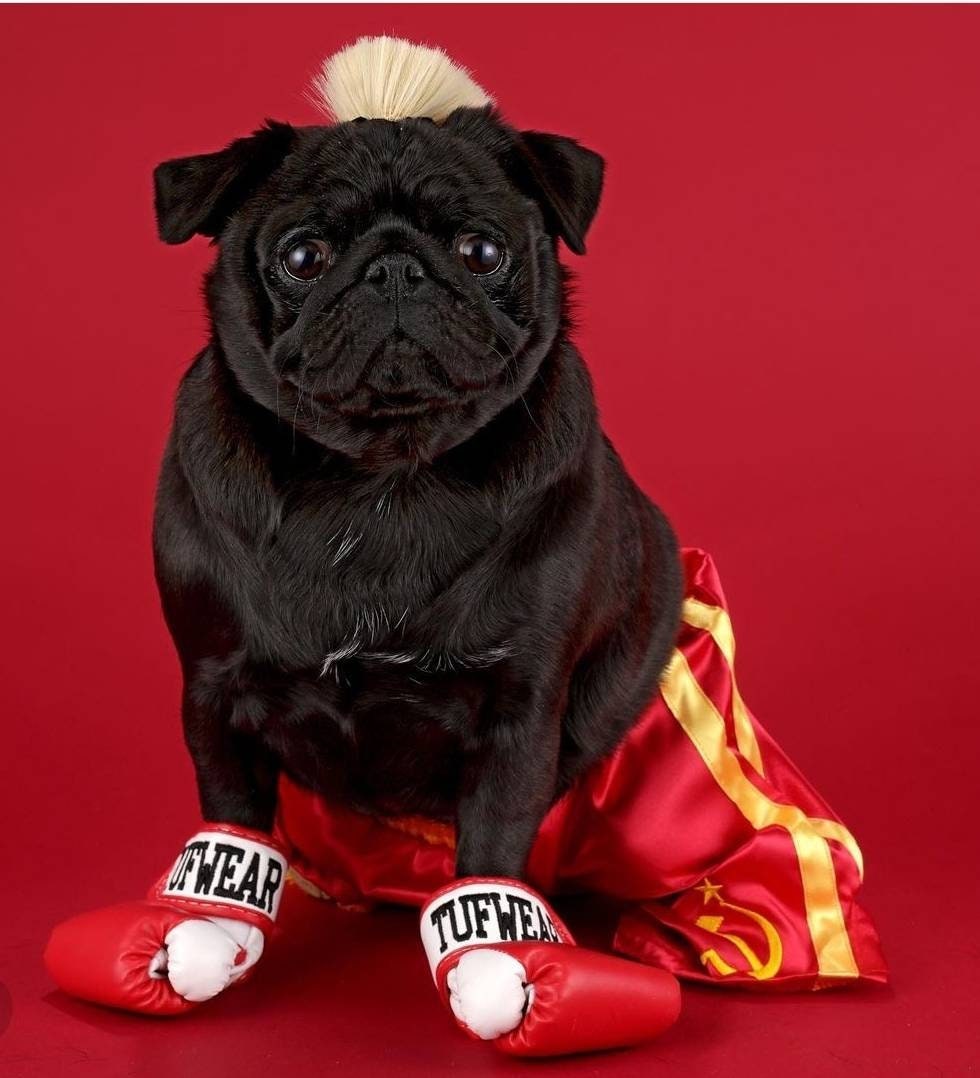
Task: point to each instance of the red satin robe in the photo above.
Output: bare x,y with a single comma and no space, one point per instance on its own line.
728,866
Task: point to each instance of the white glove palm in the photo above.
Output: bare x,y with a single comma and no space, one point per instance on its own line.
487,992
200,957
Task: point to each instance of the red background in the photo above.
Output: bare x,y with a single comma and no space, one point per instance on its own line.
780,310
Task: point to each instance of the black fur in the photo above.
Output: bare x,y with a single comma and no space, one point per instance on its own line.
399,559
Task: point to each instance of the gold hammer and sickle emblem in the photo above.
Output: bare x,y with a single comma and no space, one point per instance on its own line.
762,971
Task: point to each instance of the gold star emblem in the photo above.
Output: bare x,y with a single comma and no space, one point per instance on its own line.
709,890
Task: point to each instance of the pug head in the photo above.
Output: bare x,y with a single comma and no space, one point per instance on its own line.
385,286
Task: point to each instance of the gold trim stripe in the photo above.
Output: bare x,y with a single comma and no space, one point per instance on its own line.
705,726
839,833
715,620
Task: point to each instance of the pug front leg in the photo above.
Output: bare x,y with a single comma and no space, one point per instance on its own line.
203,925
509,783
502,961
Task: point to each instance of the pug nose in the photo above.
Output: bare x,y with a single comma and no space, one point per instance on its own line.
398,269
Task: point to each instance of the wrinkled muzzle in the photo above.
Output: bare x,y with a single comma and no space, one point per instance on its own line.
396,331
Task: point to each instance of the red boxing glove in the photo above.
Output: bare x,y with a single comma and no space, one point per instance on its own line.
510,972
202,928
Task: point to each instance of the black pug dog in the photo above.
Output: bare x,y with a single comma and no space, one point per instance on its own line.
399,558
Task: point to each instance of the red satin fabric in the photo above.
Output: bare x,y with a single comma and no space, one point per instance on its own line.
648,825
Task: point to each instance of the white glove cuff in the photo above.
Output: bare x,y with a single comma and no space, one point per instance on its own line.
484,912
222,869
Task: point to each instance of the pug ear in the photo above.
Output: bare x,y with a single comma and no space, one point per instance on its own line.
197,195
565,179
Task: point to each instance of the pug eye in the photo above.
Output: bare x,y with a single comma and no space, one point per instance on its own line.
305,259
479,254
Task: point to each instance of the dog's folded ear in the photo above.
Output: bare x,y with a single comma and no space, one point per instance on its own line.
564,178
197,195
